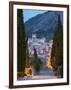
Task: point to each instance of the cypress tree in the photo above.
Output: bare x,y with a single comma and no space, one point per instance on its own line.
57,49
21,42
37,62
27,54
35,55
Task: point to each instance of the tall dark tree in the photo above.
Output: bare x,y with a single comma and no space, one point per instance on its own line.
37,62
57,49
21,42
27,53
35,55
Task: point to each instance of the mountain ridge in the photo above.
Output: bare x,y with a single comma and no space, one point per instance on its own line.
43,24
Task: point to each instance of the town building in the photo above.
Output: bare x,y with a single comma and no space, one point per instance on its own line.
41,46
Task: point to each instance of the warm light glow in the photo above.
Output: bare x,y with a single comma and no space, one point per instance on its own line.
49,60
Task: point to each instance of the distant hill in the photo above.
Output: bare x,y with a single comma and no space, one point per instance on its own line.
43,24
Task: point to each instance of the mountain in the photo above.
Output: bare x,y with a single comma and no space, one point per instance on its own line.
43,24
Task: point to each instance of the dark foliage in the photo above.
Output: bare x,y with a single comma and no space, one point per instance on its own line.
21,42
57,49
37,62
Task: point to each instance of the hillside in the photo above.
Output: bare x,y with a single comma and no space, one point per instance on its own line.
43,24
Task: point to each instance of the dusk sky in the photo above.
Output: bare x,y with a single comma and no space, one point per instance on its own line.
29,13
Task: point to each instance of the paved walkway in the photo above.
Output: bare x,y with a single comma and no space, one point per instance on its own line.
44,77
43,74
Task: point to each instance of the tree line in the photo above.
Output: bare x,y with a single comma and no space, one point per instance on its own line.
23,59
57,49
